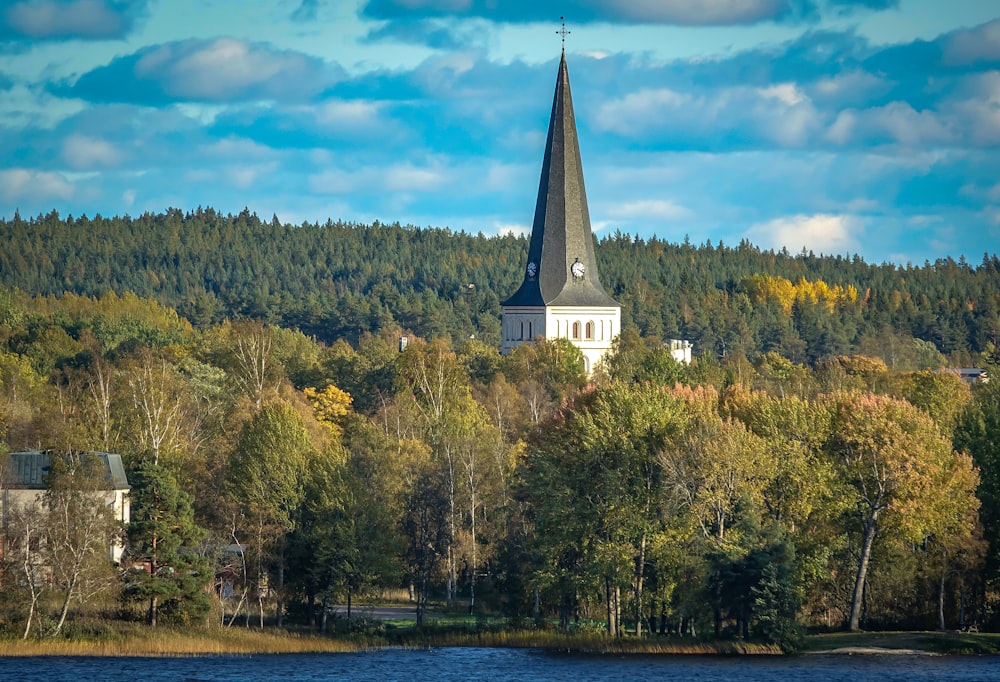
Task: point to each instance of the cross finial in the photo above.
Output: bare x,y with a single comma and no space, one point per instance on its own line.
563,32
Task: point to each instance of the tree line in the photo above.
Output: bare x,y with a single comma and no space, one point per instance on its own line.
341,280
743,496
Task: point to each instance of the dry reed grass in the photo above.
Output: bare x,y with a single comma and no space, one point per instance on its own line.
589,643
165,642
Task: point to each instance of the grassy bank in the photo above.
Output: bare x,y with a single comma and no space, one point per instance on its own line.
140,641
589,643
930,642
117,639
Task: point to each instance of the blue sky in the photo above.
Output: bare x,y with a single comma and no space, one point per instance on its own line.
840,126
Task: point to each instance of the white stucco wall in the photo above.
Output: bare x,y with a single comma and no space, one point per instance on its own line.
592,330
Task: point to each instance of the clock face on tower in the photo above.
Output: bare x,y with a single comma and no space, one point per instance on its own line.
577,269
532,270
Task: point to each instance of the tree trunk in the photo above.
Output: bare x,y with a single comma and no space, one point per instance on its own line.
452,573
279,609
421,603
323,616
618,611
65,605
29,577
940,605
260,607
472,575
153,567
859,582
612,607
961,605
638,586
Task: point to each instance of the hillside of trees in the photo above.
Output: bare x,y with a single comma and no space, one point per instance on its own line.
811,468
340,280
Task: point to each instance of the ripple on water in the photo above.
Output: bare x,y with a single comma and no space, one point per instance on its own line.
498,665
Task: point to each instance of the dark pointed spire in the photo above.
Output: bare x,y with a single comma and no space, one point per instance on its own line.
561,235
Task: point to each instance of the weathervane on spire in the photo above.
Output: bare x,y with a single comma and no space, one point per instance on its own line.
563,32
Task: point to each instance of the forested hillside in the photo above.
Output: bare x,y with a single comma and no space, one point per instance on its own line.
341,280
811,467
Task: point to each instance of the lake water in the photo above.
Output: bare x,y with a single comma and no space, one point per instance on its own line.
460,664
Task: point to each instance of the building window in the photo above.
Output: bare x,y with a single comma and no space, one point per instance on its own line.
531,331
522,330
589,335
576,330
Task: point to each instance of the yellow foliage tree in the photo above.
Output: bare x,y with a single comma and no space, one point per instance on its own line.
330,405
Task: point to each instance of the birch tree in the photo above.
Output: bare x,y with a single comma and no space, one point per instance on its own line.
79,529
891,458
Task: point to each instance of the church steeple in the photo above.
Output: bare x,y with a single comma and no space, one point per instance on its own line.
561,296
561,268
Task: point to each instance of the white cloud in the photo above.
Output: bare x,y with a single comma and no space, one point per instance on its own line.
50,19
334,181
788,93
512,229
401,178
649,209
82,152
128,198
238,148
820,233
974,109
692,13
849,87
245,176
896,122
226,68
24,184
781,114
636,112
342,115
408,178
981,43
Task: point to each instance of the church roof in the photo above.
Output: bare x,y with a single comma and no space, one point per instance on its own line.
561,233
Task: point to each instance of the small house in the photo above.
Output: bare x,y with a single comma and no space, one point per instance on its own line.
23,478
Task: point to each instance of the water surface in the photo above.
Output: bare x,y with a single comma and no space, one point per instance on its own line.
460,664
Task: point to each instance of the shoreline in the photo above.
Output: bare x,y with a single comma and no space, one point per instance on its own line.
171,643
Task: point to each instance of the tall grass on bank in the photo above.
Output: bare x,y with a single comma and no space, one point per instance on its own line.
590,643
138,641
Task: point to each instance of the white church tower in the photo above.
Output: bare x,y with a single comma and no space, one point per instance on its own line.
562,296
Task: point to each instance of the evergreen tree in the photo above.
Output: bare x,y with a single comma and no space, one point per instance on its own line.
167,571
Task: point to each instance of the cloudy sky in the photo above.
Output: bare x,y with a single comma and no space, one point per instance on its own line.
841,126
